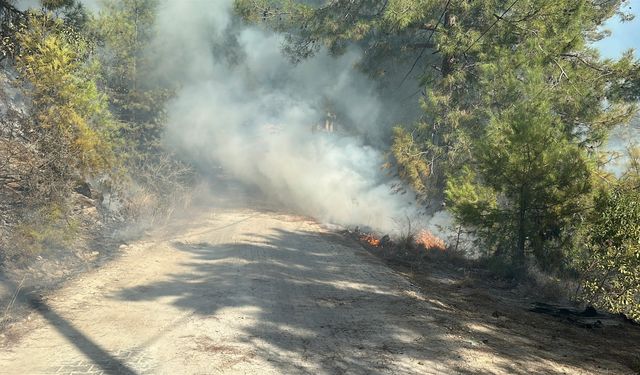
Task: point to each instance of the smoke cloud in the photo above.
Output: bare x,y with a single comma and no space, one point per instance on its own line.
242,105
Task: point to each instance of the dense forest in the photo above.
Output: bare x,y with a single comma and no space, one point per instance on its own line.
514,109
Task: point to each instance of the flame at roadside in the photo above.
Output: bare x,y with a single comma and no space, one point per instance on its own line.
424,239
370,239
430,241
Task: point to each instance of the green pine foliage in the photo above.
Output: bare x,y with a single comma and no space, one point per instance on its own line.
125,28
526,183
72,122
611,265
138,93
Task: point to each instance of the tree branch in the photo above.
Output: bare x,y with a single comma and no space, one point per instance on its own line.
422,45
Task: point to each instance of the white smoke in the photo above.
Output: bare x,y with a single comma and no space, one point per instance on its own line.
243,105
620,140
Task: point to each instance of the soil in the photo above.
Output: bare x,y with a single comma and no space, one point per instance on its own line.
237,290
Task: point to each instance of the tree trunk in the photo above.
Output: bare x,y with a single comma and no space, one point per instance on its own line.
522,233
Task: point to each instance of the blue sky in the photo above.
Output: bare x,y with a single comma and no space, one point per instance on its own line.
625,35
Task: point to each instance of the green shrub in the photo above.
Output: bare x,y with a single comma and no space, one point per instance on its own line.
611,268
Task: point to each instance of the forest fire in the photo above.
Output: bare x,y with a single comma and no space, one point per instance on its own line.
430,241
370,239
424,239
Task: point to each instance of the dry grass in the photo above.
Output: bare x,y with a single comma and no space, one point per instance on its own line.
547,287
6,315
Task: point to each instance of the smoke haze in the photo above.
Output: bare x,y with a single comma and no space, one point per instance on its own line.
244,106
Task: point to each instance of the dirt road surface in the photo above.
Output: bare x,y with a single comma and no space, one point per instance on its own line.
238,291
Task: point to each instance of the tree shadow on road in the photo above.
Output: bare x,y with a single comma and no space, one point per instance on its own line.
103,361
307,303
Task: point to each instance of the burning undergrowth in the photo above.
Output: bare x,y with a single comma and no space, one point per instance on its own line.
417,244
417,251
429,241
369,239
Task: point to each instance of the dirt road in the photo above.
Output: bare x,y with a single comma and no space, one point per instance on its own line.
235,292
249,292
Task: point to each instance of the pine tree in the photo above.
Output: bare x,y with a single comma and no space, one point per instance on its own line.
126,29
72,123
525,183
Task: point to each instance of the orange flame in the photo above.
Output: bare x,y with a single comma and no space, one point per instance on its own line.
430,241
370,239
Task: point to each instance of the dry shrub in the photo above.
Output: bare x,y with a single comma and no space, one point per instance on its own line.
406,240
159,185
547,286
6,317
448,255
49,226
139,202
